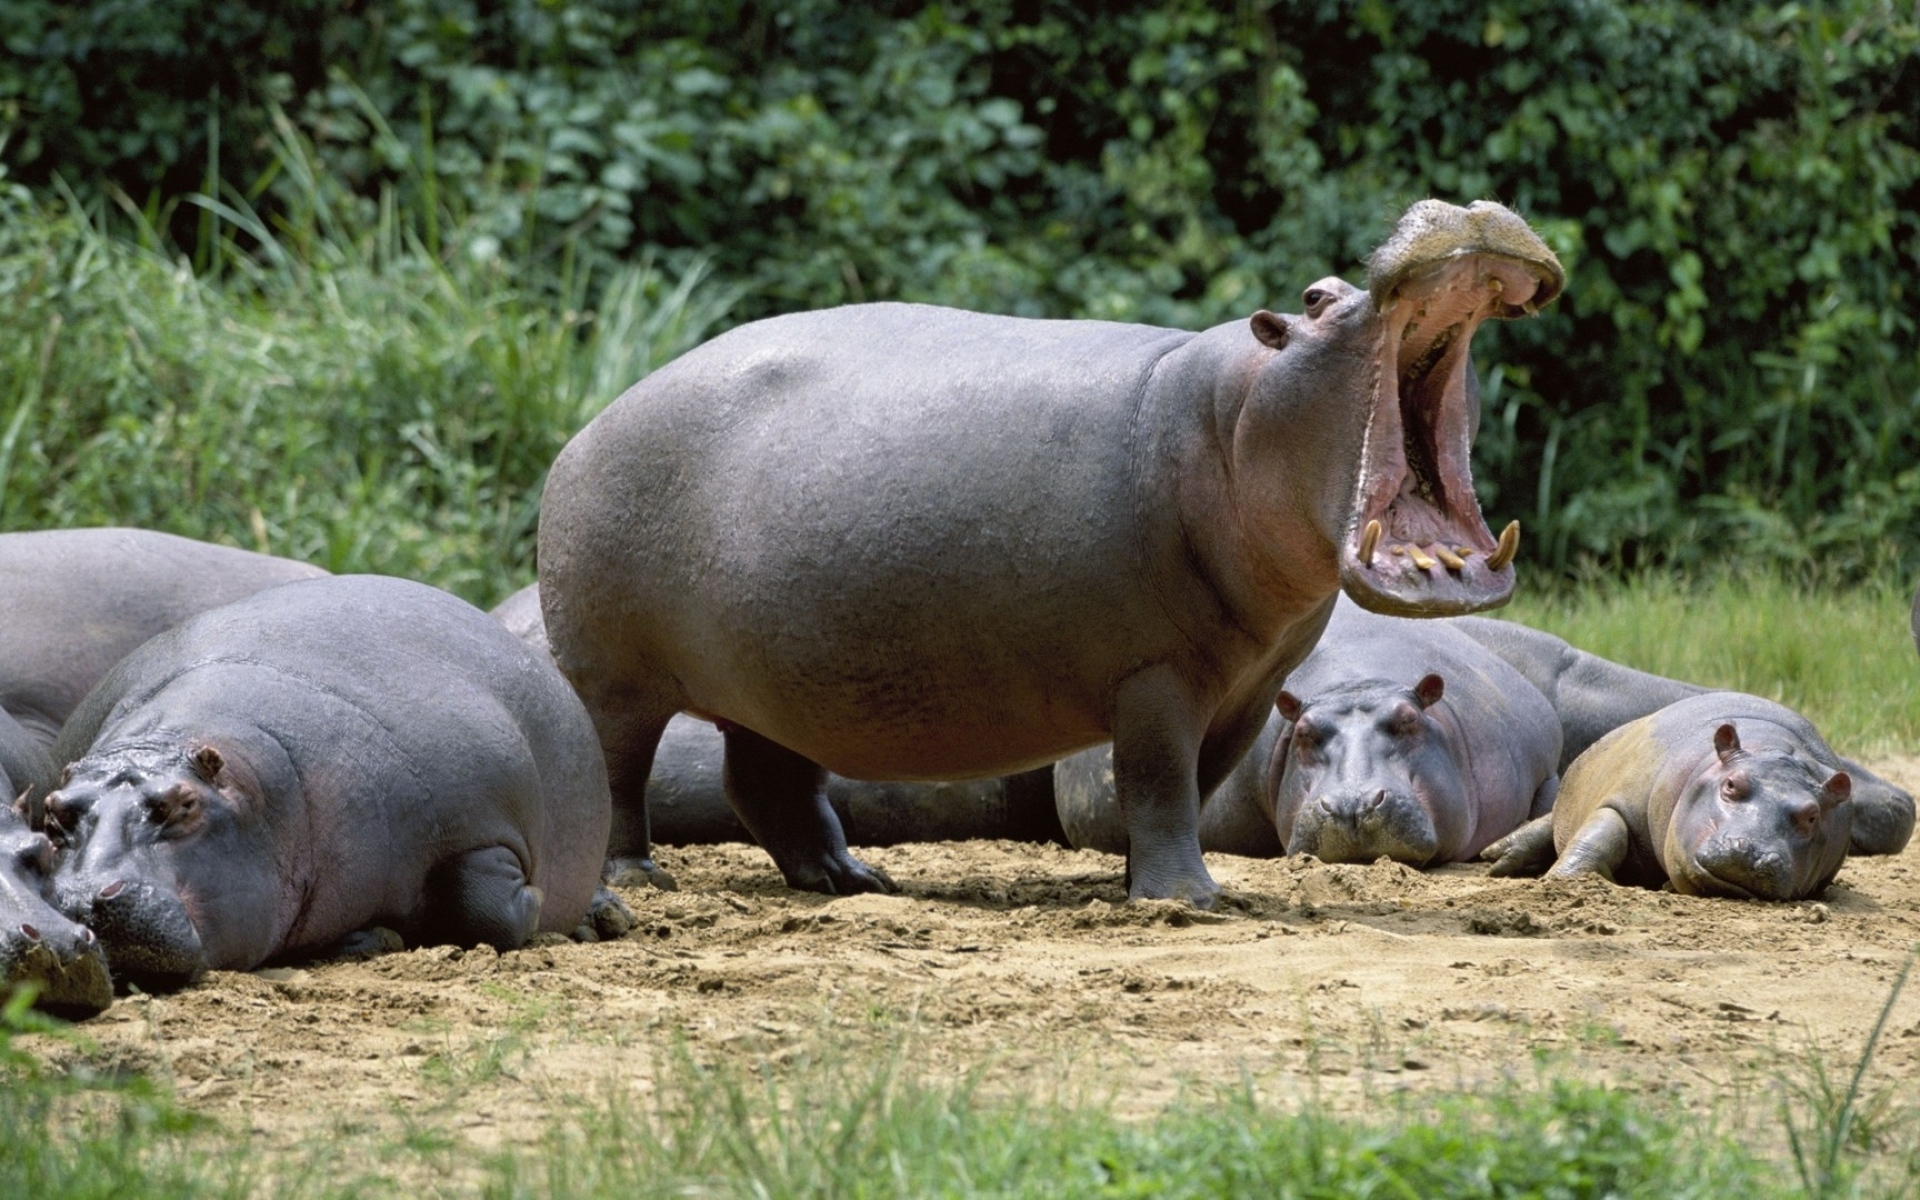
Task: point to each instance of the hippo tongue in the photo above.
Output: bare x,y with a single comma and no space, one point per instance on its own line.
1417,544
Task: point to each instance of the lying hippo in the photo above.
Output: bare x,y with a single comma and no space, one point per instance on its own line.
77,601
903,542
687,802
1395,738
1593,697
1721,794
275,775
38,944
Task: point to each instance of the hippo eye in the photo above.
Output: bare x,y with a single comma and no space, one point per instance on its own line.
36,857
1316,300
1735,786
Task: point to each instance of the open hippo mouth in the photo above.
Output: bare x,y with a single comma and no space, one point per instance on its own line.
1417,544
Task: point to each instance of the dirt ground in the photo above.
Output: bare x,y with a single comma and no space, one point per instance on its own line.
1025,963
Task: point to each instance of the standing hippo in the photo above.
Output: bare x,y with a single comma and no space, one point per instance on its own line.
1593,697
77,601
904,542
1720,794
1400,739
38,944
687,801
275,775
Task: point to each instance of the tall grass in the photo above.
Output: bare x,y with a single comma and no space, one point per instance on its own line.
1841,655
320,389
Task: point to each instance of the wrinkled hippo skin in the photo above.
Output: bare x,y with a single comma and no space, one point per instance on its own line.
909,543
1593,697
687,801
1720,794
38,944
270,777
77,601
1395,738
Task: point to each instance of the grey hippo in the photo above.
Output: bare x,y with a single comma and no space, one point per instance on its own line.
1395,738
273,776
687,801
39,944
1720,794
901,542
77,601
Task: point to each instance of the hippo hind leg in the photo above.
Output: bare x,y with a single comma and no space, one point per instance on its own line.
481,896
629,740
782,800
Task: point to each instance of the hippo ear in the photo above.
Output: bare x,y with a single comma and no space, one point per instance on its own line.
1726,743
1289,706
1271,330
207,763
32,809
1430,688
1835,790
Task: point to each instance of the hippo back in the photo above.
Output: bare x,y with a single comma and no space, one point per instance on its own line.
79,600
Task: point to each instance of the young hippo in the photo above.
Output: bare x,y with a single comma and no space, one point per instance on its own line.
334,754
1721,794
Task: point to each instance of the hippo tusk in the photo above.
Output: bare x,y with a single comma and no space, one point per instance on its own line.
1369,541
1454,561
1508,547
1420,558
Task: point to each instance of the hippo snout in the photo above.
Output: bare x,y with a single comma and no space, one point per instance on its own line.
1746,866
65,961
1364,825
148,936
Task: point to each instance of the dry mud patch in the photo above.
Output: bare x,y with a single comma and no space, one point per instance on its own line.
1024,966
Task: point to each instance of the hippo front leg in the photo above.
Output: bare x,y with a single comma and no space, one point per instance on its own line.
1598,848
1157,734
781,798
1528,850
482,896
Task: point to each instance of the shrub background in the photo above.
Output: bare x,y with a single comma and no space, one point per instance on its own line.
1733,372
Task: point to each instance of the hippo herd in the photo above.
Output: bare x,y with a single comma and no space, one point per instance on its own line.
885,573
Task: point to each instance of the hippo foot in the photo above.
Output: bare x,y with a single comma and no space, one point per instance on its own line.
838,874
1526,851
638,872
608,919
368,943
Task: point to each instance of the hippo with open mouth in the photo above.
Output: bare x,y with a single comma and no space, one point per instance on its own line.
1720,794
273,777
903,542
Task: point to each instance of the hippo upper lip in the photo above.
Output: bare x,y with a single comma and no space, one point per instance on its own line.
1417,544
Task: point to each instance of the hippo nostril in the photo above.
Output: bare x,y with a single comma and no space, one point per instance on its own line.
113,889
86,935
33,935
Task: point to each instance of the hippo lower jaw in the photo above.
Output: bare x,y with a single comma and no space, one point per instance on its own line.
1417,544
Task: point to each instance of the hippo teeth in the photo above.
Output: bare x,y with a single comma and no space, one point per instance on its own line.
1508,547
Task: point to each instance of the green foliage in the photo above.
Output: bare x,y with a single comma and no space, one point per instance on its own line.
1842,656
1734,368
350,401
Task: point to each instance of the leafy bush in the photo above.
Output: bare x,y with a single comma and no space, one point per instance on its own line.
1735,190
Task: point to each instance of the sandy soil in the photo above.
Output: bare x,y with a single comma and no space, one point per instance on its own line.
1025,963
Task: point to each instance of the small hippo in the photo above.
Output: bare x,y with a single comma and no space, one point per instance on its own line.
687,801
38,944
911,543
1395,738
1721,794
270,777
77,601
1593,697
